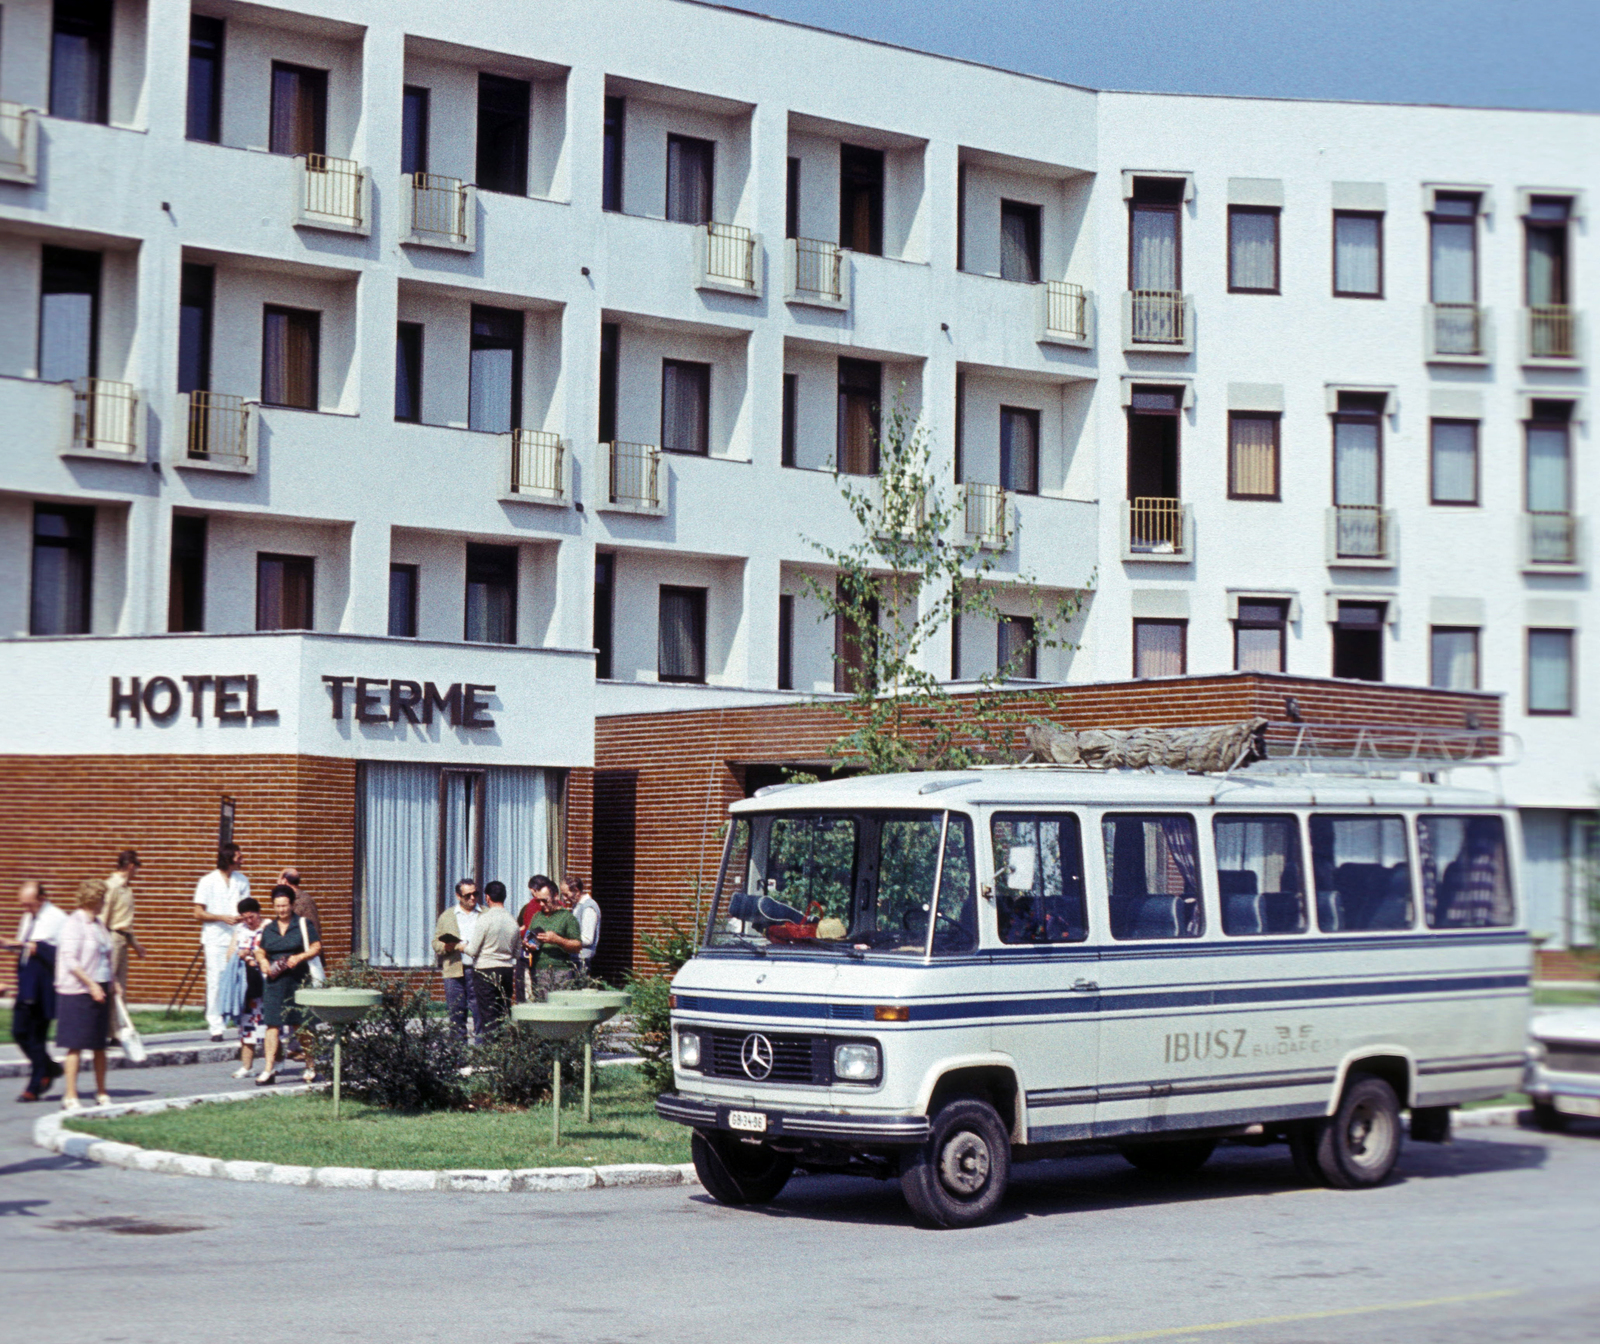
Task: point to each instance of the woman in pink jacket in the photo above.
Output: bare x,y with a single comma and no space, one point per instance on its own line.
83,991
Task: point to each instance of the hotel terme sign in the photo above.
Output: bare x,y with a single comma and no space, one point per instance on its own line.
237,699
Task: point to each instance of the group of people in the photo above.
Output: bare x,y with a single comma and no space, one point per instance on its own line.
490,960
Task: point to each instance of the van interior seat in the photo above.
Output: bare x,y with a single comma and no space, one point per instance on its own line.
1241,901
1149,917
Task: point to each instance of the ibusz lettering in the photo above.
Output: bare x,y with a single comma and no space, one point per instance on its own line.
1219,1043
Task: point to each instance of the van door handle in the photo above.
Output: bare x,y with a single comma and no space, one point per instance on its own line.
1086,986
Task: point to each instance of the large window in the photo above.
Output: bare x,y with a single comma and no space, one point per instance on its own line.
1453,273
1252,249
1549,458
1363,873
685,407
1550,672
1454,453
402,601
408,372
1160,648
1252,455
681,640
791,412
861,199
1155,260
1453,657
1357,254
1358,475
1153,876
1039,886
1259,879
1153,424
690,167
69,314
1260,635
63,558
1545,234
494,393
299,110
186,579
855,643
610,350
1019,242
860,393
503,134
1017,648
195,305
611,155
80,60
786,641
1466,875
1019,450
791,201
605,588
285,590
1358,641
290,355
205,79
491,598
414,129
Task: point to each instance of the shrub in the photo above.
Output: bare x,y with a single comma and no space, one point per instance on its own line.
513,1067
670,947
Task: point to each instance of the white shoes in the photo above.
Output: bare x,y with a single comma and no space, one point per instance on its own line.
243,1071
102,1098
71,1104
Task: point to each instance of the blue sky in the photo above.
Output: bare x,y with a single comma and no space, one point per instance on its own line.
1482,53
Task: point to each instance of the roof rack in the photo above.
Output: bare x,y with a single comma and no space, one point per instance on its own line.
1379,750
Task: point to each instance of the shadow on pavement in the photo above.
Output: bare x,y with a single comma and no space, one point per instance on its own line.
55,1162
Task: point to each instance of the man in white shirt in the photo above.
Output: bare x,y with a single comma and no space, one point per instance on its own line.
35,946
587,912
216,910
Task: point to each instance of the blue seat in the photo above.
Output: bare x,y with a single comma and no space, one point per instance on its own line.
1241,902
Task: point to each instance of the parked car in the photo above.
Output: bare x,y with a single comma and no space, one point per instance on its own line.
1563,1075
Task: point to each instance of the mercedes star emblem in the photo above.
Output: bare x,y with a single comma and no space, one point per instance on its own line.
756,1055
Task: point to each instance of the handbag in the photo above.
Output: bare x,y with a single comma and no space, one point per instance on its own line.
318,975
128,1034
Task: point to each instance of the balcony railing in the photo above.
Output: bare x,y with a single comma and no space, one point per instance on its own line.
1361,532
816,271
1552,538
987,513
539,465
333,193
1157,527
105,416
1458,329
1065,311
1159,317
635,476
1552,332
19,143
441,210
219,430
730,256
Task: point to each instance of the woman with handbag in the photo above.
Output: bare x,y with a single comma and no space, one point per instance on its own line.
242,949
284,951
83,992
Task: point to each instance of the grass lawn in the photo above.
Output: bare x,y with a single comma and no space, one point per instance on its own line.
1587,995
149,1021
301,1131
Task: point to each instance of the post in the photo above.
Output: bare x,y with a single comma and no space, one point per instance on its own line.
338,1067
588,1071
555,1100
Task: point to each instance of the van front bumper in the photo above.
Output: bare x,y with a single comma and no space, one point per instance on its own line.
870,1130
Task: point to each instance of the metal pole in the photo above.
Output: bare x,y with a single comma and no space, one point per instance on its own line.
338,1067
588,1072
555,1107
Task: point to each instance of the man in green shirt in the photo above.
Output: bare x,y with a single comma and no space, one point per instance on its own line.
553,940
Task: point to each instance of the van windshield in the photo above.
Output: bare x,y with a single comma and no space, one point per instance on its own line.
863,880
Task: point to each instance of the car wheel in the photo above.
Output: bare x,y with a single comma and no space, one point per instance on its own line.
958,1177
1181,1157
1547,1118
1358,1145
738,1173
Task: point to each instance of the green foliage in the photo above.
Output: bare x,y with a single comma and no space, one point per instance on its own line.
669,946
513,1067
400,1055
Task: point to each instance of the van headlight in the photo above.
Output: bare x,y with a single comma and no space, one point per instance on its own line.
688,1050
856,1062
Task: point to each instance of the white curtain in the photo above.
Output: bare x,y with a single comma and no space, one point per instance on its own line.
1159,648
1455,461
1355,255
489,390
399,863
516,830
1454,271
1019,452
1255,457
1016,254
1455,660
1355,467
1253,249
66,329
1550,671
1155,249
685,394
1547,469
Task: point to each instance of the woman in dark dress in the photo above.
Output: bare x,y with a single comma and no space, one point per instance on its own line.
285,949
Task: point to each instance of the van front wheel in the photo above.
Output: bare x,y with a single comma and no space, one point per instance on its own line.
958,1177
738,1173
1358,1145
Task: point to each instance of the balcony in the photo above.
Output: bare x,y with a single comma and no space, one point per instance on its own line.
19,144
1158,321
1063,314
1456,333
816,274
443,213
105,419
1552,543
634,477
222,432
1160,530
335,194
1550,334
899,506
541,468
1362,536
729,259
986,514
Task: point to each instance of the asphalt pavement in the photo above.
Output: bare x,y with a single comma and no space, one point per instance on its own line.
1490,1238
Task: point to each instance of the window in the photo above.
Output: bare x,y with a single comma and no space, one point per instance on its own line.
1453,272
1160,648
1454,446
1153,443
503,134
205,79
1549,458
491,616
285,585
786,642
860,389
1016,652
908,863
80,60
69,314
1252,249
1363,874
494,393
689,179
855,642
681,642
1259,881
63,560
1039,887
610,342
1253,455
186,578
1550,680
1358,476
791,202
196,291
611,155
1019,450
1260,635
1545,236
402,601
605,586
1453,657
1153,876
1358,641
1466,876
1019,242
290,340
1154,236
299,110
791,395
1357,255
685,407
413,130
861,199
408,372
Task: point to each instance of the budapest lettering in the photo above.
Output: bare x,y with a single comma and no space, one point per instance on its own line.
229,699
392,699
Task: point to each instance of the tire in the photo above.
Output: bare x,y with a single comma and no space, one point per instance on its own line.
738,1173
1358,1145
1547,1118
958,1177
1180,1157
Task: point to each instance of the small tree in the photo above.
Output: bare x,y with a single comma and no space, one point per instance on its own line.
898,586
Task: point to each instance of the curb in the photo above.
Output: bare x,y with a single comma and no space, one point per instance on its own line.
1485,1116
156,1059
49,1133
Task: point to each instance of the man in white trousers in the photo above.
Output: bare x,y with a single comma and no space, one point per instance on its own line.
216,910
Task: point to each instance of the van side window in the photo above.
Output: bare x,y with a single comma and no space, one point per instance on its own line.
1038,867
1259,876
1153,876
1466,881
1362,875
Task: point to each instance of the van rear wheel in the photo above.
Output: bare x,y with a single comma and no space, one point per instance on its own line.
958,1177
1181,1157
738,1173
1358,1145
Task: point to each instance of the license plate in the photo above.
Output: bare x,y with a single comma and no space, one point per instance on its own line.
752,1121
1578,1105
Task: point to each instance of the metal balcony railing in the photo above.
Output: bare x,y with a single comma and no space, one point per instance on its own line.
19,129
635,475
731,255
1361,532
987,513
1552,331
439,207
816,269
1065,313
219,429
1457,329
333,190
538,464
1158,316
1156,526
1552,537
105,416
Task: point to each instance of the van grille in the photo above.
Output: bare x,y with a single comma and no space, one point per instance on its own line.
1571,1057
795,1059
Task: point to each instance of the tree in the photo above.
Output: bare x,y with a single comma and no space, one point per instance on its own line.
897,588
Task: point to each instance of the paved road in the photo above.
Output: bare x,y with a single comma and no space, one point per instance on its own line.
1087,1249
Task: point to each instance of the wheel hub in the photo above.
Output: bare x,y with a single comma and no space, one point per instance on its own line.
964,1163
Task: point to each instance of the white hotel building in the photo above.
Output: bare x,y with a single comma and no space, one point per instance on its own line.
549,325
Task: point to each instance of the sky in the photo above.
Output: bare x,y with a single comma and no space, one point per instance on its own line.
1479,53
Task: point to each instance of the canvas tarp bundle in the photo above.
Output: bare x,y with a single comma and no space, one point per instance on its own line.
1220,746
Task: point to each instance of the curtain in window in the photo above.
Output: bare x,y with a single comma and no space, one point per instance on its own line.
1355,462
1455,660
461,831
1550,671
399,862
681,653
1016,247
688,179
1019,452
489,397
299,101
685,390
66,333
1155,249
516,830
1158,648
1454,274
1463,861
1255,457
1355,255
1258,649
289,359
1547,469
1455,461
1547,254
858,433
1253,249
